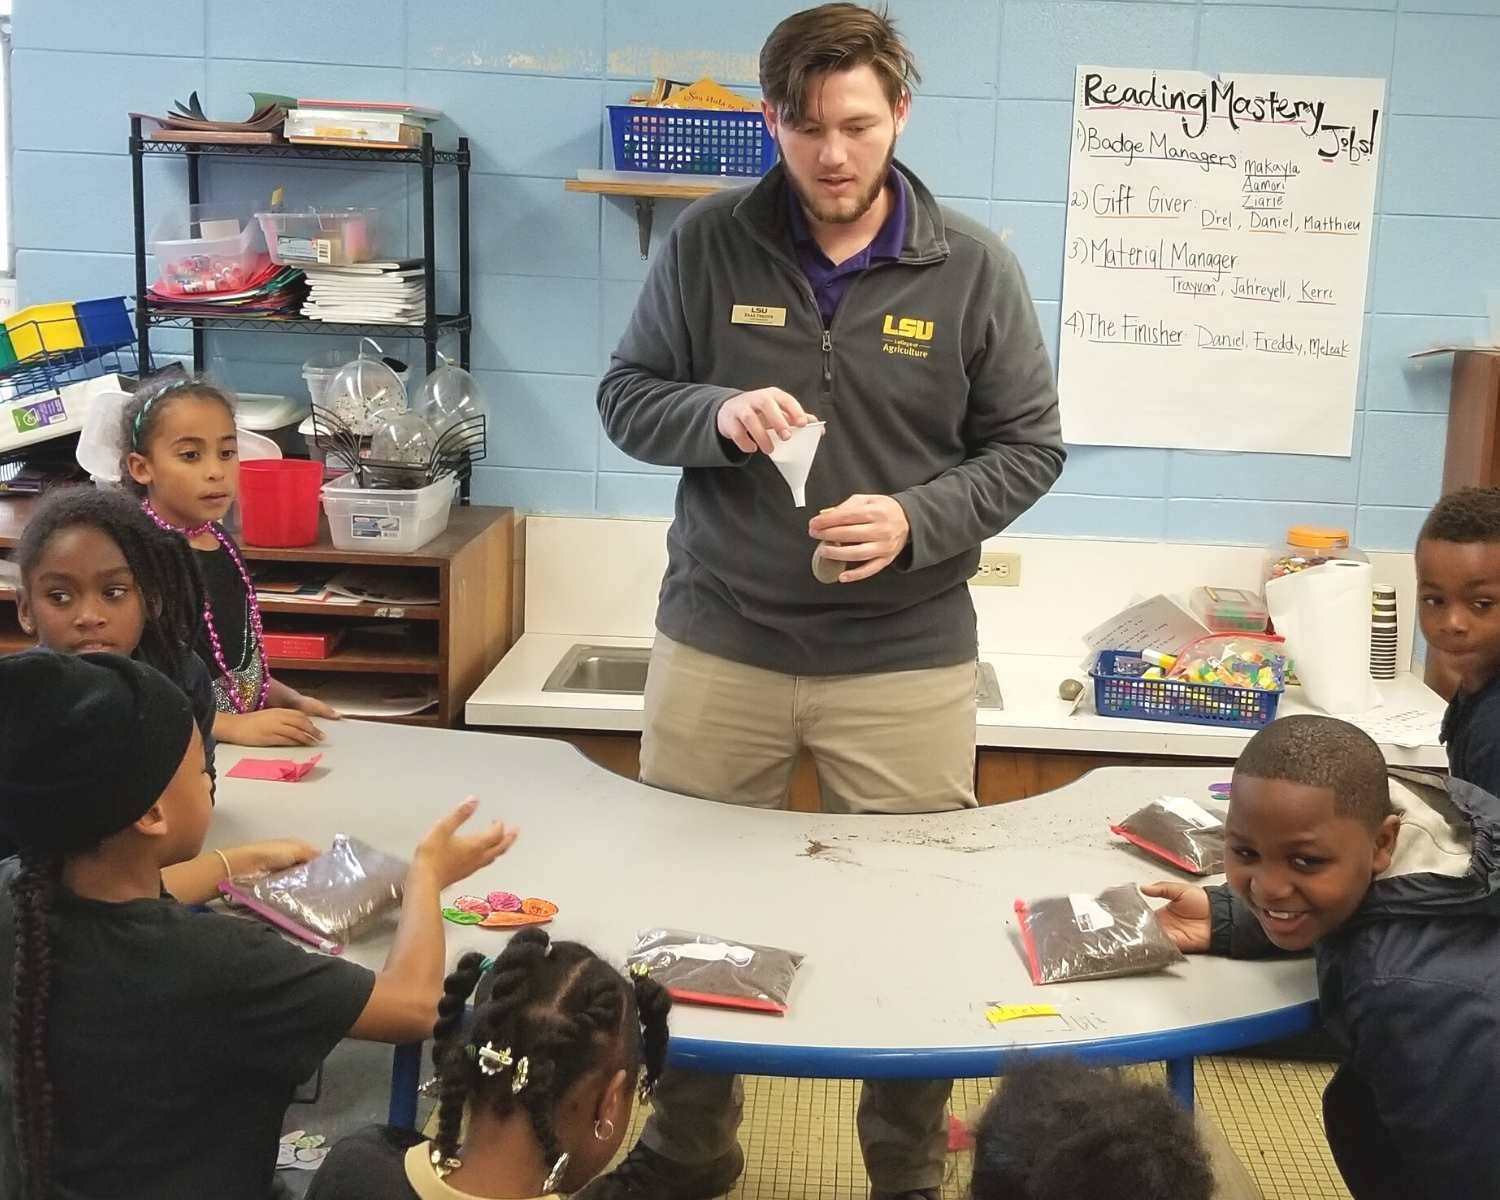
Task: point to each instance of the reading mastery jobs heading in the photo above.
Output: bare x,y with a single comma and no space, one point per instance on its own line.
1222,98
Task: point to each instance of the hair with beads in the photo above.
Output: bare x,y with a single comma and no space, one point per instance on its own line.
31,893
161,564
143,413
559,1007
1058,1131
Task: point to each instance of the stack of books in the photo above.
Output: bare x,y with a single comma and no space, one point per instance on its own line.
374,124
189,123
372,293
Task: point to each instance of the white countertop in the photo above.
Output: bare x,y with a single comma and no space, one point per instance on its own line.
1034,718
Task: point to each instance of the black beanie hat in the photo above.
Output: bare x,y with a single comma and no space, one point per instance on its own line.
87,745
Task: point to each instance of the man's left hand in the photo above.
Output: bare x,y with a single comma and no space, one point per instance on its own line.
868,530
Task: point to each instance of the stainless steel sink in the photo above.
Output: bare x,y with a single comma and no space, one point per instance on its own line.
621,671
614,670
988,692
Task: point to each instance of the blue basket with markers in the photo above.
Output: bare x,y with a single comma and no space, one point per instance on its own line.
1120,691
690,141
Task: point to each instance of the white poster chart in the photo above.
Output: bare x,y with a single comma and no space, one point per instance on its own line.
1217,252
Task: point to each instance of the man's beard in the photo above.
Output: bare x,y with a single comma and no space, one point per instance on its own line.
862,204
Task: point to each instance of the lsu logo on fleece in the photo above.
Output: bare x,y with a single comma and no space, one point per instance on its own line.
906,336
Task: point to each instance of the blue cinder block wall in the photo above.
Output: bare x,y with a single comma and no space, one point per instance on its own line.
558,273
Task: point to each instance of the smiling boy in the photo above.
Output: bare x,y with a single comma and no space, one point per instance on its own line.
1395,887
1458,604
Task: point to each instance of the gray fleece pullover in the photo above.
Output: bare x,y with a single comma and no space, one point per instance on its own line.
936,390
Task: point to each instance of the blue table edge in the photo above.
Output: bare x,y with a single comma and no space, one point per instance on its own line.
1177,1048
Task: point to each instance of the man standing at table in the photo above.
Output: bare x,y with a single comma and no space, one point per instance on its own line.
835,289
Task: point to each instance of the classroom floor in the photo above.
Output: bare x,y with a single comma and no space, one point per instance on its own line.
799,1133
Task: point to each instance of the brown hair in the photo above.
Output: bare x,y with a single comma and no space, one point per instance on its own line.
833,37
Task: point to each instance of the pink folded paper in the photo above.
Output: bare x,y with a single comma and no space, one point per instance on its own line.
277,770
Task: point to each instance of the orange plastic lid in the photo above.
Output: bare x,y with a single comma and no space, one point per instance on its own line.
1316,537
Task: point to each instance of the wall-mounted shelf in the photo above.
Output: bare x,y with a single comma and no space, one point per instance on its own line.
646,188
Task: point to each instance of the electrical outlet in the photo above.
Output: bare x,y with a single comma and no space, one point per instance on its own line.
998,570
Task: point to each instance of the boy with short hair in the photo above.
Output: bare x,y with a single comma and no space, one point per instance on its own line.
1458,606
1394,884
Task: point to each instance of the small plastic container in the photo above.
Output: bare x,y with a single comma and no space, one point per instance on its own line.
387,520
42,328
279,501
320,237
1308,546
203,250
690,141
1229,610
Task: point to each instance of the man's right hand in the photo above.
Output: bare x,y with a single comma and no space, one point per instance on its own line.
756,420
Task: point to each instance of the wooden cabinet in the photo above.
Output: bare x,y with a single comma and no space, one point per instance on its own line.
455,642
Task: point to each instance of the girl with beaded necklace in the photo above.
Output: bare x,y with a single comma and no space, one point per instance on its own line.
182,457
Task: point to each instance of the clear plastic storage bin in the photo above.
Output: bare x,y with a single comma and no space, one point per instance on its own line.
387,520
201,249
320,237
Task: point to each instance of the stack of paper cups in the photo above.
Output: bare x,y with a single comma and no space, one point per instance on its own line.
1383,632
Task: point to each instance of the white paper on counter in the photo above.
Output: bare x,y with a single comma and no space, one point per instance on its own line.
1324,615
1155,624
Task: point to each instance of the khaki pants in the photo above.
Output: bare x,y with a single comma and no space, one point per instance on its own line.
896,742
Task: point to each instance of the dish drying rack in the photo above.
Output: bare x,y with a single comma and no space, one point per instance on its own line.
454,453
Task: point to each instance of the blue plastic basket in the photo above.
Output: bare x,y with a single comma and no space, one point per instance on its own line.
690,141
1119,691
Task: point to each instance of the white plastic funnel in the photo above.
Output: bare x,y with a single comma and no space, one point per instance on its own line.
794,458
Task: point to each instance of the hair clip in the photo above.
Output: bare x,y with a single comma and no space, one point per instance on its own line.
523,1071
639,969
491,1061
443,1167
555,1176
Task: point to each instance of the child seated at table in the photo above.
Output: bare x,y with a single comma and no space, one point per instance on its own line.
1059,1131
1395,887
98,576
148,1049
539,1083
1458,606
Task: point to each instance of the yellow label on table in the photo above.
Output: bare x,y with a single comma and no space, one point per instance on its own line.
998,1014
756,314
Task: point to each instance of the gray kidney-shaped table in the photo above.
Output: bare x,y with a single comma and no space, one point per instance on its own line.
907,922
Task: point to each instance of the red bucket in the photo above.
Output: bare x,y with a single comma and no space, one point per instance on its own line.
279,501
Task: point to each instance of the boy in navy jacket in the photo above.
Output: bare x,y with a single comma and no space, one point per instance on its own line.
1458,605
1394,884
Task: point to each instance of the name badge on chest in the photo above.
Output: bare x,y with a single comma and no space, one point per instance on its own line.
757,314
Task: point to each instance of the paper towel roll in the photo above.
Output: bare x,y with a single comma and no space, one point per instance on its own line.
1324,614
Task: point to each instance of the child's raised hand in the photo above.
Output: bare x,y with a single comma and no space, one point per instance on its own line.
1186,918
452,857
268,727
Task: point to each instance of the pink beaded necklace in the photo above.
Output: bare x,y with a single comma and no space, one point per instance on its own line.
252,607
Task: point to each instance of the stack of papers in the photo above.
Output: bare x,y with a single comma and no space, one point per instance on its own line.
387,293
268,290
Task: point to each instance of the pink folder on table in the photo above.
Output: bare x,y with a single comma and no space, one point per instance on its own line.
277,770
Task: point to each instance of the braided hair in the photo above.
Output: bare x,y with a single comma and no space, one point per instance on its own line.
172,592
32,891
142,414
556,1005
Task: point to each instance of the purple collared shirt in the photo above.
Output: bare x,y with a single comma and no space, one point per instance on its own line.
830,282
